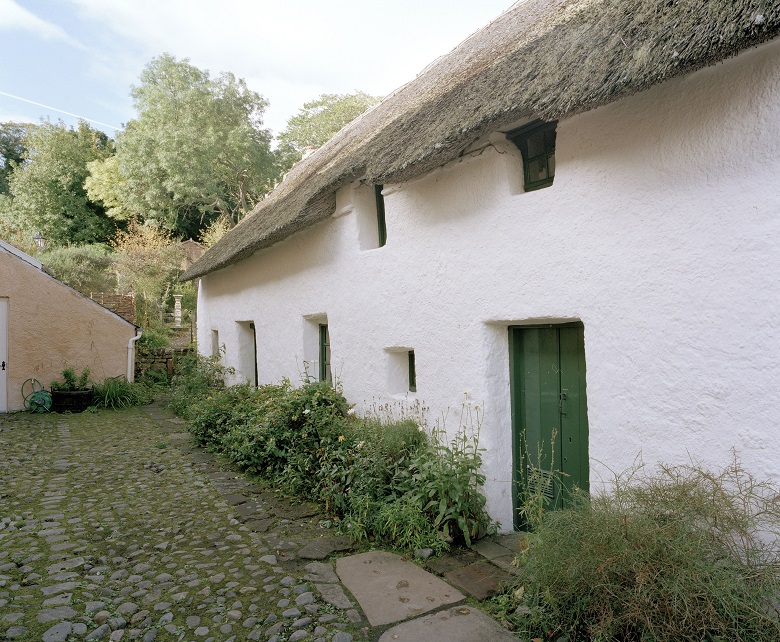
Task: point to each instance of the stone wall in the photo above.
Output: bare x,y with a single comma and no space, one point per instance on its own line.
159,360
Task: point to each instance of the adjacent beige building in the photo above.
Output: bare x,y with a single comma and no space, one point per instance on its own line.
46,326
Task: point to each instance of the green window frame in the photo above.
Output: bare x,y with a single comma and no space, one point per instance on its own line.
536,143
380,215
324,361
412,372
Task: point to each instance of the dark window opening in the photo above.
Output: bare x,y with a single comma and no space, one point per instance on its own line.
380,215
325,373
412,373
536,143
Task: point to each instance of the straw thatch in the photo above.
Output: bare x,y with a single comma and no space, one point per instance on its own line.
545,59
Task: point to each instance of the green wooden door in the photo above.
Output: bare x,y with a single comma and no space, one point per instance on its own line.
549,410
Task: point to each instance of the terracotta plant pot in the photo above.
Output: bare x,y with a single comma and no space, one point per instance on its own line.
71,400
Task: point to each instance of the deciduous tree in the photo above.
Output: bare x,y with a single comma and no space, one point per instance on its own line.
197,150
12,149
318,121
47,188
147,260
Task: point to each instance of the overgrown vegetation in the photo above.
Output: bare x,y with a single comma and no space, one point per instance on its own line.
116,392
683,553
381,478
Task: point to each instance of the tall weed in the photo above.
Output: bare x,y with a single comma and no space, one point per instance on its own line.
680,554
116,392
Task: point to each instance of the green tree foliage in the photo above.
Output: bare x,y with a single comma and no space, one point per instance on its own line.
196,152
148,261
318,121
86,268
12,149
106,184
47,188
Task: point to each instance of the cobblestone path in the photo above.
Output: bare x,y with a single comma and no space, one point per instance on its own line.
113,528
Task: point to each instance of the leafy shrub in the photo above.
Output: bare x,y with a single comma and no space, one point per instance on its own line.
70,381
439,482
117,392
385,479
444,481
291,434
86,268
155,378
221,418
153,339
682,554
195,378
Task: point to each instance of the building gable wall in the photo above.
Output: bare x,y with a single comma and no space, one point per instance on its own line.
51,327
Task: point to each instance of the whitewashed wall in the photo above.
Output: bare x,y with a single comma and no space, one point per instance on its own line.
661,234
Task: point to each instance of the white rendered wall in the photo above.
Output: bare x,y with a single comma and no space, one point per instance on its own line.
661,234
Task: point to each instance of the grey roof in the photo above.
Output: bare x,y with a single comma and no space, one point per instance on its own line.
546,59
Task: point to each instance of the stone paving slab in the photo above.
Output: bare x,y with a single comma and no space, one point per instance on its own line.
458,624
457,559
320,548
481,580
390,589
489,548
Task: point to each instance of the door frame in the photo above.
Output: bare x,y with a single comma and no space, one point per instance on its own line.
4,311
520,455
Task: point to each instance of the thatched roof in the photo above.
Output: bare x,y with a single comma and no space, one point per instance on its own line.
545,59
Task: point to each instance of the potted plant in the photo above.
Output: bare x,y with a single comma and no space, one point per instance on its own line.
72,394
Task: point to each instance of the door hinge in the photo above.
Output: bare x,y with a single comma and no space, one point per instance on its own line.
562,399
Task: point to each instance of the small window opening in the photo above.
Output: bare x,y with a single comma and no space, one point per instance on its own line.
325,372
254,346
380,215
536,143
401,370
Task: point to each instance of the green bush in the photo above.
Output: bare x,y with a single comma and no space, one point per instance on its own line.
117,392
86,268
70,381
196,377
682,554
290,434
400,470
383,479
153,339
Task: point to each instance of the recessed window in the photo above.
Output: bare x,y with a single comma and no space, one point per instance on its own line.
246,369
401,370
537,146
380,215
324,360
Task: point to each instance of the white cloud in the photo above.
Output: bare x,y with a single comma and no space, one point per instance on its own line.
290,52
15,17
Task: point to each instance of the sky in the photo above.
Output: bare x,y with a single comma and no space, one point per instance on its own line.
83,56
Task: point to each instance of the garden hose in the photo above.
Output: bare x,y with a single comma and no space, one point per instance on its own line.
36,397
